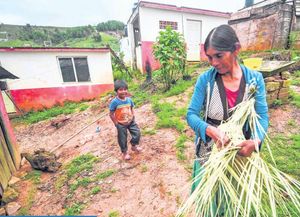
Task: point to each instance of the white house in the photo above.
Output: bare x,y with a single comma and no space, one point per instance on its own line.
148,18
50,76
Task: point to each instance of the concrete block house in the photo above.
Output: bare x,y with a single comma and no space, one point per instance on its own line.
48,76
148,18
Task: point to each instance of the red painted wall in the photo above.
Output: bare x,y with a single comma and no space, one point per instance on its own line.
148,56
39,98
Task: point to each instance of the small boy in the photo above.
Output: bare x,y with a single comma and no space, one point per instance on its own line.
122,114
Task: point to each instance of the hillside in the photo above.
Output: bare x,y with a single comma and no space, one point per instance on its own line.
82,36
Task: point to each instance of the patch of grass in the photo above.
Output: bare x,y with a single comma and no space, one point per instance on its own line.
105,174
168,116
295,99
113,214
144,168
75,209
37,116
113,190
277,103
148,131
180,87
292,123
139,96
84,182
62,179
286,153
79,164
34,176
24,211
95,190
180,147
83,107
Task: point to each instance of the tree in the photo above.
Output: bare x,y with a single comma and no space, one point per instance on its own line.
111,25
169,49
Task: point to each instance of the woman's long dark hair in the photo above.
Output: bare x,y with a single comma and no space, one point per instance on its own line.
222,38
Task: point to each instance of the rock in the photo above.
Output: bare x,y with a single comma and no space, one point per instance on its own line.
285,75
23,161
2,211
12,208
105,196
13,180
286,83
272,86
9,195
59,121
269,79
42,160
284,94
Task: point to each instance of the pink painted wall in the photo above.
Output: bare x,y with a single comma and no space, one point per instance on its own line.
39,98
203,56
148,56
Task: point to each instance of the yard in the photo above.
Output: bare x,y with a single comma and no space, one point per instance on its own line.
94,180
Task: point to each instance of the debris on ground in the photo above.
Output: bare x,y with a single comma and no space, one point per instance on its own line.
42,160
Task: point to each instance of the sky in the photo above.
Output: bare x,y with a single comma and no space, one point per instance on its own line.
69,13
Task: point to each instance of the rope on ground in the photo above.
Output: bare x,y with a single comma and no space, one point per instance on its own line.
59,146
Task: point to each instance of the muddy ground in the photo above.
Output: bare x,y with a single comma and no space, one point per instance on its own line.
153,183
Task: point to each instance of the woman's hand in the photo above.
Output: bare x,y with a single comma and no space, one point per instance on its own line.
247,147
218,136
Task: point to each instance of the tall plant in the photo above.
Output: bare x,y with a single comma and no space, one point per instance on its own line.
169,49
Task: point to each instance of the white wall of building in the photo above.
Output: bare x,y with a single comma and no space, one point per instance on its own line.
149,22
41,69
126,50
208,23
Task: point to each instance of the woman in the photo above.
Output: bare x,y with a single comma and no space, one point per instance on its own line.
220,88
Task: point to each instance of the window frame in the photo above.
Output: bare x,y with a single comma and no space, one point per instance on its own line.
164,23
74,69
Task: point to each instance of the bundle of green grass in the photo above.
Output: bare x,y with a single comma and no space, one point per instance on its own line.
231,185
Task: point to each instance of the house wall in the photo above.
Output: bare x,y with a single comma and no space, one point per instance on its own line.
126,50
149,27
41,85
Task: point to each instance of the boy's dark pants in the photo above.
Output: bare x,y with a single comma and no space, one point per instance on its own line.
122,135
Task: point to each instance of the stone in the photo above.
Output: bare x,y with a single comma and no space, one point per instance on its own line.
13,180
43,160
283,93
9,195
285,75
269,79
2,211
286,83
272,86
12,208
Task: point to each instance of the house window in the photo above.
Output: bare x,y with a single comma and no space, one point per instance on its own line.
164,24
74,69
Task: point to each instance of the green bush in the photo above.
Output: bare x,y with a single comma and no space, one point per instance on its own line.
169,49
